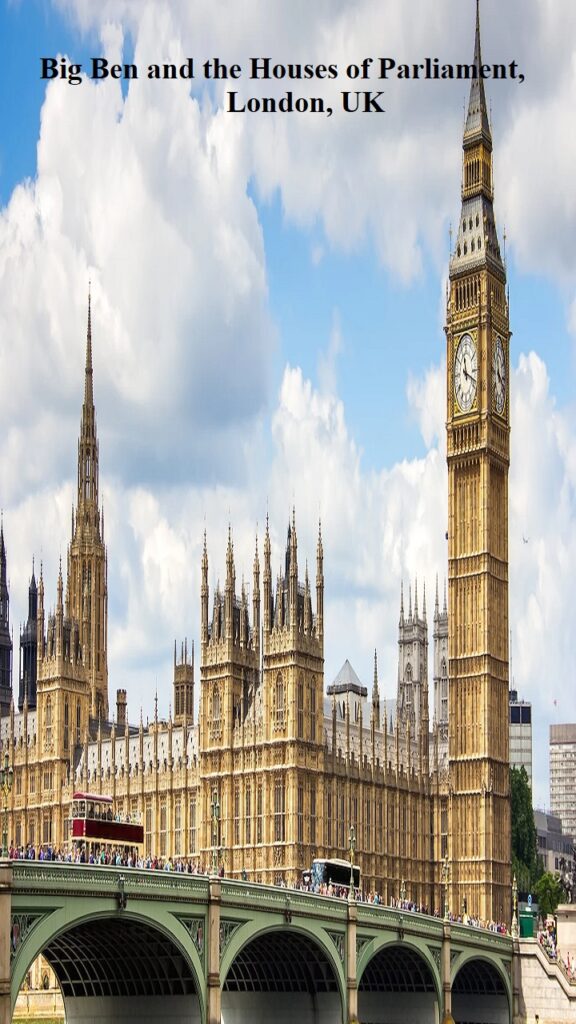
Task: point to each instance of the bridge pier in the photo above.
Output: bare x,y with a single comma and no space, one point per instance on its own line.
351,967
5,937
446,979
214,991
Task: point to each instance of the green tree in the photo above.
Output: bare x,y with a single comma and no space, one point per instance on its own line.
525,862
549,892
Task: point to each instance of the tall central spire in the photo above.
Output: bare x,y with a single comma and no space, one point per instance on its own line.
88,442
88,387
477,122
87,564
477,241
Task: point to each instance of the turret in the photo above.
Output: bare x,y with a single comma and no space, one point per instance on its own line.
267,582
320,587
375,695
256,602
5,637
204,597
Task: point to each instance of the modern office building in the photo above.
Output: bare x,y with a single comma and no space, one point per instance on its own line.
521,734
554,846
563,775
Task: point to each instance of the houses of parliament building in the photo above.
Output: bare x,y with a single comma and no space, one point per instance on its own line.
291,763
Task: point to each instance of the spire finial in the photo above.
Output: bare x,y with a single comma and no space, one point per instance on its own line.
436,599
477,121
88,389
424,600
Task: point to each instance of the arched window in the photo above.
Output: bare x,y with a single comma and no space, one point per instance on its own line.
78,723
280,708
313,709
443,667
216,704
300,708
66,725
48,724
408,673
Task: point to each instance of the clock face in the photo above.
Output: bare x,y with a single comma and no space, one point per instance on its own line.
499,376
465,373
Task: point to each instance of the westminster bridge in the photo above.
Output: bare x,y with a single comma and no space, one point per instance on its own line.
163,946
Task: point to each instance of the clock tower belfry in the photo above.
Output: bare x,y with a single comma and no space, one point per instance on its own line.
478,411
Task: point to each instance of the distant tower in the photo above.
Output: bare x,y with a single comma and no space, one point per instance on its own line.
29,651
5,638
412,664
184,685
478,456
87,560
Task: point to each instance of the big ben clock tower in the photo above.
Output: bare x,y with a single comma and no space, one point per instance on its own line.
478,418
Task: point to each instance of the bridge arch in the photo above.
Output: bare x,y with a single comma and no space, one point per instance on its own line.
113,961
481,990
398,979
283,972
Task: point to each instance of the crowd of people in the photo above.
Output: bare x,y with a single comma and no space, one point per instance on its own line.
110,857
547,939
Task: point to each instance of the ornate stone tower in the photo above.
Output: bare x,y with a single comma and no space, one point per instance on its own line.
412,665
184,686
478,335
293,719
229,677
87,560
5,638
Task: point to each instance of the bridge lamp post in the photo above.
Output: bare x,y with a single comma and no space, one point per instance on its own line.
514,908
445,878
402,891
6,776
215,806
352,840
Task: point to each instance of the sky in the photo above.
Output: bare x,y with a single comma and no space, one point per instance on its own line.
268,302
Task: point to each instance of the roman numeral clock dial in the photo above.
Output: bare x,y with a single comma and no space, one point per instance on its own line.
465,373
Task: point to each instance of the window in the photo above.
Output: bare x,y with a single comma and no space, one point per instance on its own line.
66,725
193,825
216,704
47,830
300,708
48,724
148,827
78,723
32,782
177,826
163,822
329,818
279,701
259,813
312,814
237,814
300,814
18,788
313,709
279,810
367,824
248,815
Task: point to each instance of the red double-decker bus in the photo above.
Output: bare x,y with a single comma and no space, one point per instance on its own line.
95,825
